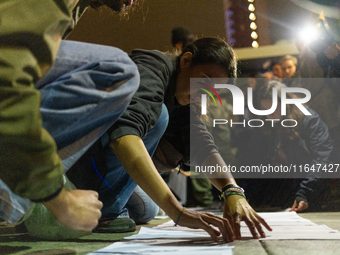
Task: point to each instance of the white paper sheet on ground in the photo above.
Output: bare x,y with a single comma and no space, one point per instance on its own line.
167,239
160,217
147,233
147,249
285,225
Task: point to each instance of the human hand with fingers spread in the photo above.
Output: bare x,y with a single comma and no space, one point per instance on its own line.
206,221
131,152
237,209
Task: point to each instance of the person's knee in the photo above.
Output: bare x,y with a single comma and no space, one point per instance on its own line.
150,212
141,207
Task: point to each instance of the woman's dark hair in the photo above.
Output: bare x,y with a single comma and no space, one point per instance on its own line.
212,50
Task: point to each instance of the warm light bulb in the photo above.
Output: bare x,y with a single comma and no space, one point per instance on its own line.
255,44
253,25
251,7
254,35
252,16
250,1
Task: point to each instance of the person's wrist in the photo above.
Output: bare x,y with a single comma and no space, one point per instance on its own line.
300,198
230,185
58,203
179,216
232,189
171,207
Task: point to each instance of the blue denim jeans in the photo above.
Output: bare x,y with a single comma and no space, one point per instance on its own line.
86,90
83,94
141,207
120,186
12,206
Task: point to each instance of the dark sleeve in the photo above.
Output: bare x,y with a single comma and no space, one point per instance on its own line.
323,62
201,141
320,145
146,105
330,67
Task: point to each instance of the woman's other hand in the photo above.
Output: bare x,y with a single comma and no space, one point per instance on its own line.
237,209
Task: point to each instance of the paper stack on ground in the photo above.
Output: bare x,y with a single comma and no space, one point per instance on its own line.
151,241
167,239
285,225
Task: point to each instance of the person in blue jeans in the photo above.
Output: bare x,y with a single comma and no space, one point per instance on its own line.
124,146
30,34
82,96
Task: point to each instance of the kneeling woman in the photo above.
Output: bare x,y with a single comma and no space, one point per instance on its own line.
165,80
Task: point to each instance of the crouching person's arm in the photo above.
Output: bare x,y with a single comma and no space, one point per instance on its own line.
76,209
131,152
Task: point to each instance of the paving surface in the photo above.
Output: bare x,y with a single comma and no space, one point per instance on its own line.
16,243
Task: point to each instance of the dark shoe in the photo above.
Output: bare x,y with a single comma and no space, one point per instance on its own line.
118,225
21,228
3,222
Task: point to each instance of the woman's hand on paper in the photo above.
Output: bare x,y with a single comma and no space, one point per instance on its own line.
237,209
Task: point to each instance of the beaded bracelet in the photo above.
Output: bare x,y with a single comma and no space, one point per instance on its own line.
227,194
232,190
179,216
230,186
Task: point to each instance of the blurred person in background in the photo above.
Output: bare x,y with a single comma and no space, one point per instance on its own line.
181,37
307,143
277,70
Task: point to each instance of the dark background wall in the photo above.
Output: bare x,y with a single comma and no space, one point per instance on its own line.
150,27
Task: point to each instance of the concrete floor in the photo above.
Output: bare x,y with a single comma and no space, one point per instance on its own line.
15,243
296,247
19,243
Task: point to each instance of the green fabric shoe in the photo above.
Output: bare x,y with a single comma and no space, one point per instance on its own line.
42,224
118,225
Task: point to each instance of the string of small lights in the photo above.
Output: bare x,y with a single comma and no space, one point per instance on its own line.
253,26
241,23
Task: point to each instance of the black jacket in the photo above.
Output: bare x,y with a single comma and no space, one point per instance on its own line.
314,146
157,84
